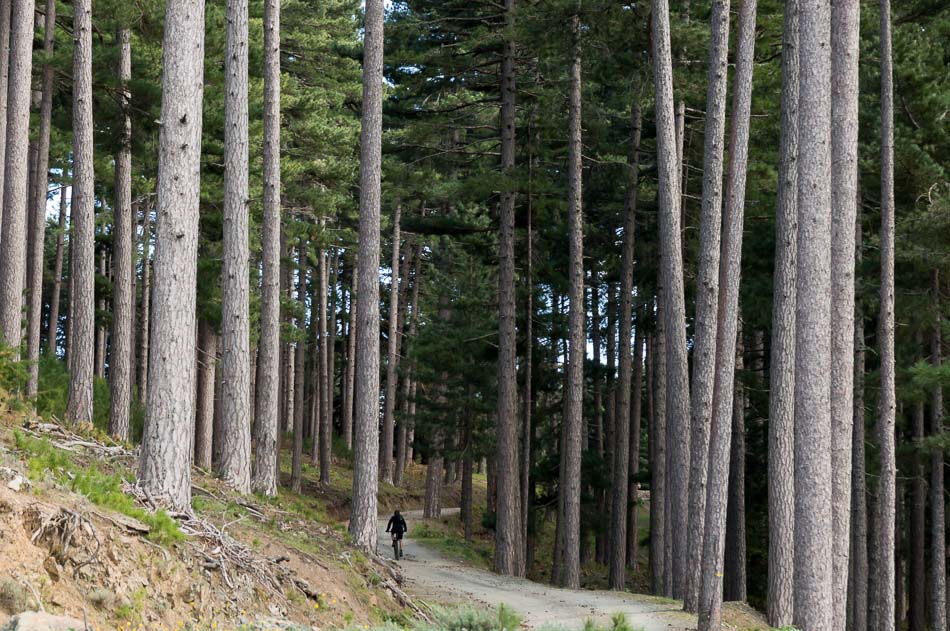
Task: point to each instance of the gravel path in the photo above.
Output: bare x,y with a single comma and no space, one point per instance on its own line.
430,576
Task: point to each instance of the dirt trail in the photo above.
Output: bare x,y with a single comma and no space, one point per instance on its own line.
431,576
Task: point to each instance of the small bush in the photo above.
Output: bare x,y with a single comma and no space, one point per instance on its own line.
102,489
101,598
14,598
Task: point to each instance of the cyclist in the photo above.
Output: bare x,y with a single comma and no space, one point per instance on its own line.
397,526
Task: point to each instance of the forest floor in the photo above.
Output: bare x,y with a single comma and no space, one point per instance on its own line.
434,571
76,541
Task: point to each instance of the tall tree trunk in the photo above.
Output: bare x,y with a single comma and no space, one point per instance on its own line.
621,452
389,408
299,368
330,390
858,574
527,496
605,499
886,400
142,377
874,563
366,403
16,170
468,447
204,412
781,439
814,609
845,18
633,501
710,604
707,296
734,586
938,551
674,309
166,445
432,507
38,206
570,475
52,327
350,373
509,557
235,466
917,567
402,442
99,362
267,425
597,373
324,381
5,14
123,240
82,306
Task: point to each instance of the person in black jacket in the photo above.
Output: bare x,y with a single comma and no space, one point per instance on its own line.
397,526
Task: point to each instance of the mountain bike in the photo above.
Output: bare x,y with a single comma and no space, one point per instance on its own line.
397,545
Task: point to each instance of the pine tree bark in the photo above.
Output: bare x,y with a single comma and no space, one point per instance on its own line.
366,403
37,207
144,331
509,557
917,567
814,607
82,311
402,438
467,509
123,240
845,25
346,421
938,551
267,425
570,475
235,466
621,451
204,408
707,295
781,438
326,374
886,400
52,327
389,407
296,376
527,494
16,175
734,585
165,469
99,362
674,309
333,263
633,501
5,12
858,574
713,564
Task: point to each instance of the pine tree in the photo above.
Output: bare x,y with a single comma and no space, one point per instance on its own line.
813,510
38,205
573,425
844,175
267,429
366,402
165,467
887,496
15,179
621,452
674,310
123,296
711,591
781,439
235,465
707,296
82,242
508,530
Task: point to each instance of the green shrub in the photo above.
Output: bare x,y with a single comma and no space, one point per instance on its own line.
101,488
